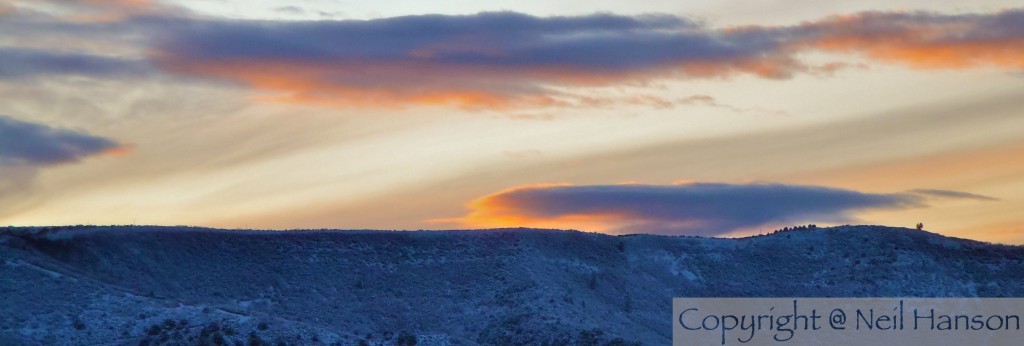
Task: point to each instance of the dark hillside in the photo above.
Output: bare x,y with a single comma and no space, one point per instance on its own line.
126,285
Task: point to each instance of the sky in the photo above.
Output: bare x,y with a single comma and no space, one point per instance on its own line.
708,118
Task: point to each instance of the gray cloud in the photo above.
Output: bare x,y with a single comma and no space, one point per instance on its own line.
506,39
292,10
24,143
100,39
706,209
483,60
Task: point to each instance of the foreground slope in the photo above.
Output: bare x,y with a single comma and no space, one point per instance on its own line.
163,285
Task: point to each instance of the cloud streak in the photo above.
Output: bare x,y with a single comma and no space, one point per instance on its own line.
511,60
24,143
86,11
28,63
953,194
706,209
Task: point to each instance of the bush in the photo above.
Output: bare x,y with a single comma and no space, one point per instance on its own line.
78,324
255,340
405,339
153,330
590,337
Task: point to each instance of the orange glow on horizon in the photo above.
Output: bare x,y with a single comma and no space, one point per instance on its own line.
498,210
492,211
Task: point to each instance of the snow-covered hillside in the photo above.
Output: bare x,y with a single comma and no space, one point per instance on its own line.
185,286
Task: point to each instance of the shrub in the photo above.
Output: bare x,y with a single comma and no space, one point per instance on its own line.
255,340
78,324
405,339
153,330
218,339
590,337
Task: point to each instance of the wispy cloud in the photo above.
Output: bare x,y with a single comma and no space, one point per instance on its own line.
953,194
508,60
522,154
686,209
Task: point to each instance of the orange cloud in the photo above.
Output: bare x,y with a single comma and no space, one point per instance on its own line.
397,85
510,60
119,151
923,40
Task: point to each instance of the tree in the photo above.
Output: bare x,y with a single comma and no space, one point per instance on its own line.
920,226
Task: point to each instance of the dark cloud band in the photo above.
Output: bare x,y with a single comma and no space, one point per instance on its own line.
953,194
691,209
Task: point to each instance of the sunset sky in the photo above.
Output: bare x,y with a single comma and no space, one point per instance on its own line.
710,118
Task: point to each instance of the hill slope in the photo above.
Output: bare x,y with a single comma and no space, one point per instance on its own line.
153,285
